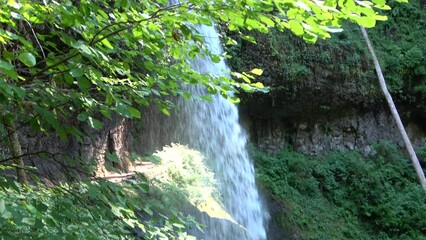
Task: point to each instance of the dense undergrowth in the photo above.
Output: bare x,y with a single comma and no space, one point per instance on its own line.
90,210
343,195
138,208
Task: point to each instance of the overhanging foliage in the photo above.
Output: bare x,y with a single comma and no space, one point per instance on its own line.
75,60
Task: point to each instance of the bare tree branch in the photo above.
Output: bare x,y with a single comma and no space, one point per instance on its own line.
395,114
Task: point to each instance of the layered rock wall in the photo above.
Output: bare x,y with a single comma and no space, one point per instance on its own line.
355,130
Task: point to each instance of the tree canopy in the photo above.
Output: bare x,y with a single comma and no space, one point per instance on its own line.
75,59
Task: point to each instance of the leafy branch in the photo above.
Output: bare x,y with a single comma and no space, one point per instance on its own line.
94,41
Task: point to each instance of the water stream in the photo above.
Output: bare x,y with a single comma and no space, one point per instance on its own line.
213,128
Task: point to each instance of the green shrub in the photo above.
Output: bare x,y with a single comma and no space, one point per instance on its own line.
100,209
85,210
343,195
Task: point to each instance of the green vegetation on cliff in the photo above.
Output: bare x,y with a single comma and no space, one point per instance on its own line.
343,195
338,74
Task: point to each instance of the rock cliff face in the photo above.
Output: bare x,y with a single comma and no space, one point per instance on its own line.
324,113
56,158
354,130
119,137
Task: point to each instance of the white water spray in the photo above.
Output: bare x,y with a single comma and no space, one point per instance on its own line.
213,128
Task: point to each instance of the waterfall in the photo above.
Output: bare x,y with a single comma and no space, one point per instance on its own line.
213,129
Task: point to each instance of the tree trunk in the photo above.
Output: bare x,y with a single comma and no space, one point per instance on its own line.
395,113
16,150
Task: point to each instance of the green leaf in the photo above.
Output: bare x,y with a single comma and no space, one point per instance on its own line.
379,2
13,4
33,210
148,210
47,115
122,109
2,206
83,47
5,65
296,27
246,78
246,87
12,74
68,20
267,21
28,59
258,85
206,98
381,18
107,44
383,7
3,212
249,38
94,123
366,22
215,58
165,111
134,112
234,100
77,72
28,221
82,116
178,225
83,83
257,71
8,55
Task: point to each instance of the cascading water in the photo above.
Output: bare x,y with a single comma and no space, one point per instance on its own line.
213,129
